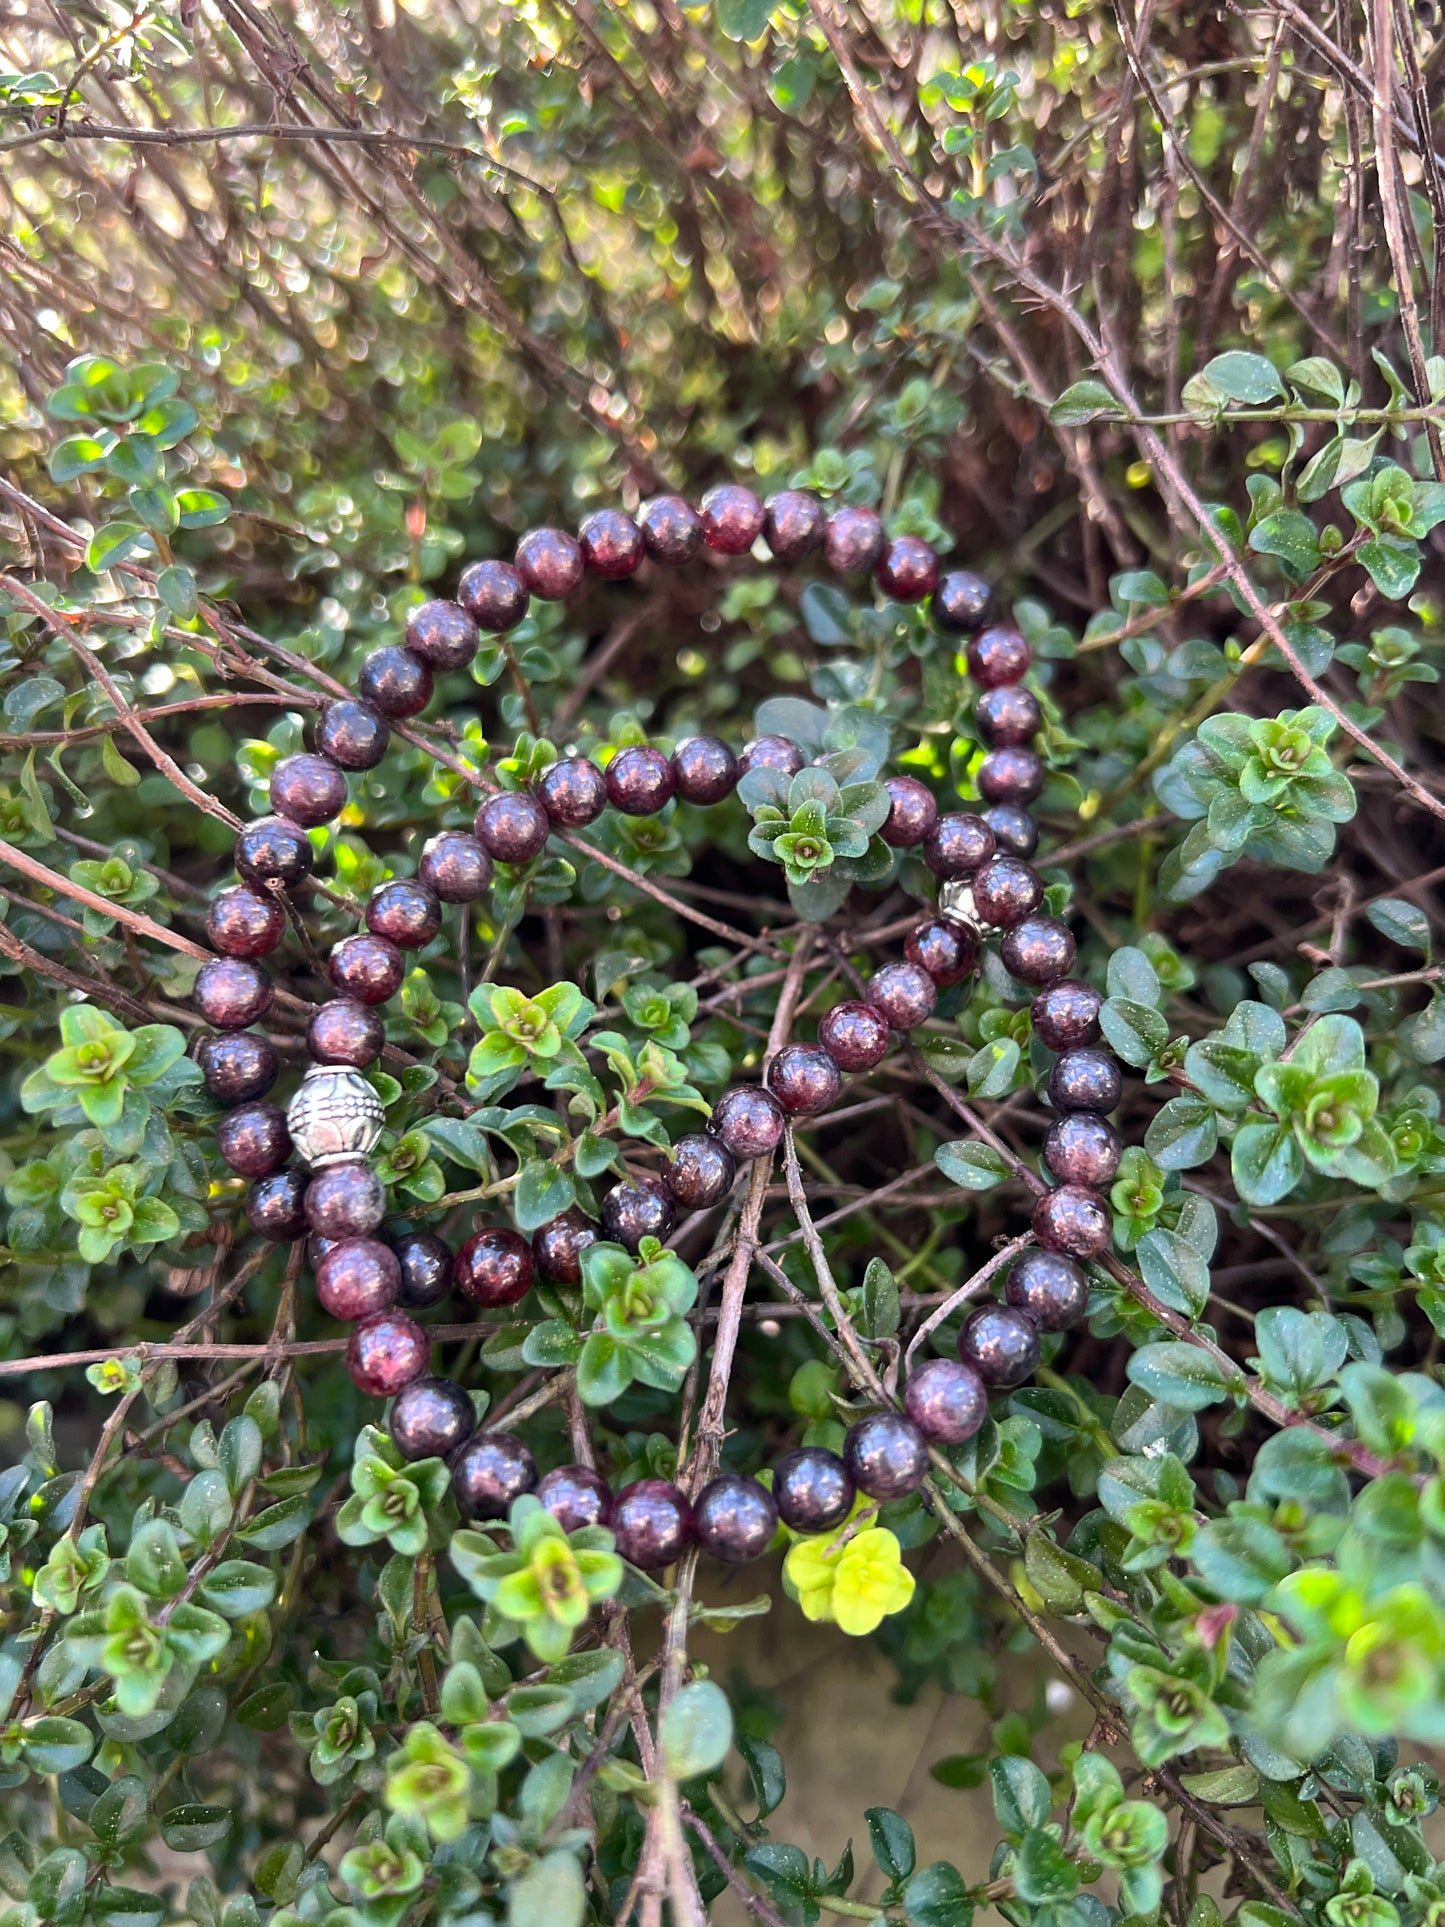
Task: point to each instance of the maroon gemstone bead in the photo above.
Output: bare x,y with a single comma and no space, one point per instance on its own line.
345,1032
276,1206
735,1519
704,770
231,992
489,1472
886,1455
431,1419
345,1200
352,734
309,790
253,1139
611,544
812,1489
271,850
701,1172
652,1523
238,1066
1014,831
1001,1343
957,845
241,922
357,1278
912,814
794,523
854,541
425,1262
748,1120
1073,1220
805,1079
512,827
945,948
1038,951
903,993
1083,1148
549,564
456,866
854,1035
387,1353
1066,1014
959,602
573,792
576,1496
638,1208
907,570
396,682
639,781
365,968
493,595
494,1267
1008,715
732,518
441,633
1050,1288
1010,776
405,911
997,656
1006,891
671,529
771,752
1085,1079
557,1248
947,1400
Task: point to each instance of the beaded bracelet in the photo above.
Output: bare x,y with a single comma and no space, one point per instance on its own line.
335,1119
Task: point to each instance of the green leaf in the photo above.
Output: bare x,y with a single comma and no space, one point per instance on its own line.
1393,564
977,1167
1244,377
1402,922
881,1313
1265,1161
544,1191
697,1730
201,508
892,1840
192,1827
113,543
937,1897
1021,1796
1085,401
1182,1134
1178,1374
744,19
1137,1032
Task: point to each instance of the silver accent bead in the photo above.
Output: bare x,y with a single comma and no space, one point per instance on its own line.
955,900
334,1116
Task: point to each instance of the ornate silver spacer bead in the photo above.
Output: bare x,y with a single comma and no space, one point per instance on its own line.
334,1116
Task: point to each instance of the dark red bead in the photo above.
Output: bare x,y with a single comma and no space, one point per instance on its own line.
854,540
489,1472
652,1523
855,1036
794,523
238,1066
912,814
903,993
431,1419
1038,951
405,911
1085,1079
1074,1220
276,1206
1066,1014
947,1400
345,1201
357,1278
557,1248
611,544
735,1519
805,1079
886,1455
387,1353
1006,891
1051,1288
549,564
1083,1148
253,1139
494,1267
704,770
242,922
640,1207
493,595
576,1496
573,792
1008,715
639,781
748,1120
345,1032
1012,776
1014,831
957,845
271,850
512,827
441,633
1001,1343
701,1172
812,1489
997,656
732,518
945,948
396,682
671,529
353,734
231,992
907,570
959,602
425,1262
309,790
365,968
456,866
771,752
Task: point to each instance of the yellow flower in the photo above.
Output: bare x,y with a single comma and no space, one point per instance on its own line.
857,1584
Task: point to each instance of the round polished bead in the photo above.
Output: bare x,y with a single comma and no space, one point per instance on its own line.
1001,1343
493,596
1085,1079
405,911
386,1353
611,544
1051,1288
671,529
748,1120
794,524
1074,1220
456,866
1012,776
1006,891
365,968
912,812
345,1201
490,1471
812,1489
494,1267
854,1035
1083,1148
732,518
425,1264
573,792
1066,1014
735,1519
357,1278
441,633
886,1455
231,992
309,790
549,564
431,1418
1015,832
771,752
253,1139
512,827
640,1207
276,1207
998,655
241,922
701,1171
854,540
947,1400
959,602
1008,715
903,993
957,845
651,1523
238,1066
396,682
805,1079
557,1248
345,1032
576,1496
271,850
704,770
353,734
1038,951
907,570
945,948
639,780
